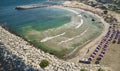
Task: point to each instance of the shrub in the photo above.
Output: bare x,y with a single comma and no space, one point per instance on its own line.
83,70
100,69
93,19
44,63
105,12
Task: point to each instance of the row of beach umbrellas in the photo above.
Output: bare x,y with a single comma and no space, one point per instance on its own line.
112,33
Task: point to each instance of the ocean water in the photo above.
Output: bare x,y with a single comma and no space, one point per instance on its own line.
39,18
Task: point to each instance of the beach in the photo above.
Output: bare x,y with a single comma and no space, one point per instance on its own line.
32,55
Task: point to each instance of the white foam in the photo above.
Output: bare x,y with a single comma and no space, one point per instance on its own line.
80,24
73,37
49,38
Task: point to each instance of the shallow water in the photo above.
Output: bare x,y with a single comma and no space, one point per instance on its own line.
30,23
39,19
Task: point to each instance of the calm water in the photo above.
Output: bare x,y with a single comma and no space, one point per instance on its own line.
39,18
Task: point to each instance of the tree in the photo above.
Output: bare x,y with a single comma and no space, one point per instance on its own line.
93,19
105,12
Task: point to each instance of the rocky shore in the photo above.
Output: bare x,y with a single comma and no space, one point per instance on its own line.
9,61
14,49
31,56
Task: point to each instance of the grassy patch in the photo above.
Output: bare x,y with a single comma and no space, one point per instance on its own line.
83,70
44,63
100,69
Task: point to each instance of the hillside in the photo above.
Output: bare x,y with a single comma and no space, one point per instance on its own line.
113,5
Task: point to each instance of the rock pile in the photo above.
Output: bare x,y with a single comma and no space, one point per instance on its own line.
31,56
10,62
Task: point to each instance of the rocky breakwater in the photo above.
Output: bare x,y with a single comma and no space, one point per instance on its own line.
31,6
32,56
10,62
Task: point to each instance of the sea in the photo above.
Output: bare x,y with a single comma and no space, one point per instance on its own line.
39,18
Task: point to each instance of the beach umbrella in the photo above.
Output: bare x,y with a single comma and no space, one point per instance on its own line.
101,55
104,39
117,34
104,49
96,50
108,33
105,45
94,53
110,27
103,52
119,31
99,45
101,42
119,40
107,36
90,58
99,58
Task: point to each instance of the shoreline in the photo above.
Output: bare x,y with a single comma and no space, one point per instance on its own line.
49,38
44,55
32,56
82,52
73,11
76,27
94,42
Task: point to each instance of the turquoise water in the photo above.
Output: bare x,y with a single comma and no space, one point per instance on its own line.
39,18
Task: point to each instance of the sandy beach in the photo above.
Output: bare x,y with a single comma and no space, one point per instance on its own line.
55,62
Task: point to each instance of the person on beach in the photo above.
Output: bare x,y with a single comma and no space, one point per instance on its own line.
88,50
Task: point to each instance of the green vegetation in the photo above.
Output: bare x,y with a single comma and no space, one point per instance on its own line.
83,70
100,69
105,12
44,63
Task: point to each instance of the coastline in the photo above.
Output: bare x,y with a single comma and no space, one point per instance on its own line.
73,11
46,55
80,52
32,56
76,27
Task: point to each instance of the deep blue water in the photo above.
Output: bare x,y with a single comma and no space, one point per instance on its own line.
39,18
